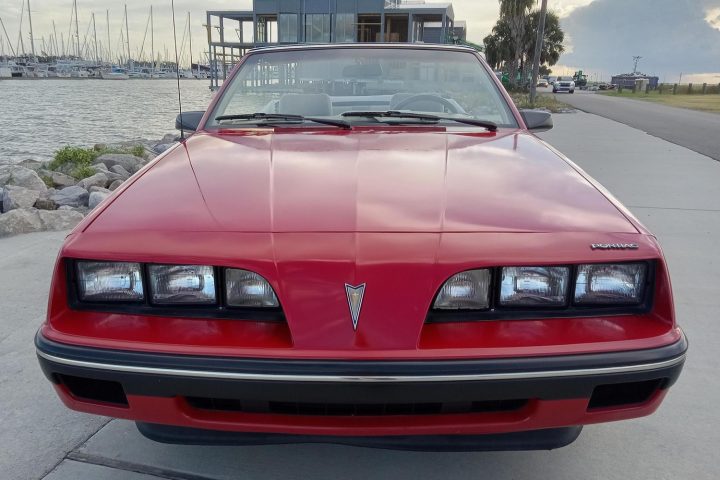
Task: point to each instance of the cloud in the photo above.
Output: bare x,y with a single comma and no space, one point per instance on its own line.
480,15
672,36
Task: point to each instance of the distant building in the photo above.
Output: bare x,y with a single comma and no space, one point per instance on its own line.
277,22
627,80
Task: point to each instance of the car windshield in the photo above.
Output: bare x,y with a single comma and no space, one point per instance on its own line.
328,82
566,79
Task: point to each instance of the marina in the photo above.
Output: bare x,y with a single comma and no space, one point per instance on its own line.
91,55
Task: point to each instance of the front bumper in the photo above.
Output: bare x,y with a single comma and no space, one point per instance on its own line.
361,398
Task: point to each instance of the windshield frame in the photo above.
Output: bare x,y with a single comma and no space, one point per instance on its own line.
211,113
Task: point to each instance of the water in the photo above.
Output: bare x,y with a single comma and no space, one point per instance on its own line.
39,116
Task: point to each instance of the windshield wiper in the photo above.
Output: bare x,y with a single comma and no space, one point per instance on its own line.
492,126
285,117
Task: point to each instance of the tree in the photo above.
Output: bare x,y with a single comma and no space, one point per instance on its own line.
515,15
500,46
552,41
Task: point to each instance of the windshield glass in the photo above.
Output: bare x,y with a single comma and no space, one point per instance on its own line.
330,82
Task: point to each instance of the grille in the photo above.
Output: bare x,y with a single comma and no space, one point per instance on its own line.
354,409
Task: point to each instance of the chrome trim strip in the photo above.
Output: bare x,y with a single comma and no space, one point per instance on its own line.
366,378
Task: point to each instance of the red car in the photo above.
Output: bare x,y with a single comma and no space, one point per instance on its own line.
362,244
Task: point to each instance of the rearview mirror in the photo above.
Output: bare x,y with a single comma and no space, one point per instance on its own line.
188,121
537,120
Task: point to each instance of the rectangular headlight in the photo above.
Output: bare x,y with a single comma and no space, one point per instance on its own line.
109,282
182,284
610,284
465,291
248,289
534,286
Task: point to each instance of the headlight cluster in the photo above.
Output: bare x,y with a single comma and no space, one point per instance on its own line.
110,282
539,286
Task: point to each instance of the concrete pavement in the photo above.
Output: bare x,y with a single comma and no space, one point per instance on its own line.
695,130
671,189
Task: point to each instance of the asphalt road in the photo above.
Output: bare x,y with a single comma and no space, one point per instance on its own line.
671,189
695,130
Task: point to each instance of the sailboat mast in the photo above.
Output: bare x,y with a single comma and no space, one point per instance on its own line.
152,43
77,30
57,52
21,43
127,35
97,59
7,37
107,23
190,37
32,40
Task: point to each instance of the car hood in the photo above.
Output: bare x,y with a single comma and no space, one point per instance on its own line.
419,180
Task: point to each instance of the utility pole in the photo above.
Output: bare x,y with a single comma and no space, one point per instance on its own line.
538,50
32,40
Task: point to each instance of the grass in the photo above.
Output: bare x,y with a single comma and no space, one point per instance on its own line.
78,161
548,102
697,101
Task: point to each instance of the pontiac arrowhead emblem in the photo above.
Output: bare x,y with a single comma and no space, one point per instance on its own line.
355,299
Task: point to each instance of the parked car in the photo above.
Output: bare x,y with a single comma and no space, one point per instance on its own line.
564,84
542,83
368,249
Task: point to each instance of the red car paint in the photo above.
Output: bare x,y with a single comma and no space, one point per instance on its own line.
401,209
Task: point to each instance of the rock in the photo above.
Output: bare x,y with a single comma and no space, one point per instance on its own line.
100,167
112,176
99,189
127,161
21,220
45,204
120,171
18,197
96,198
81,210
59,219
161,147
97,180
61,180
168,138
32,164
65,207
115,184
75,196
21,177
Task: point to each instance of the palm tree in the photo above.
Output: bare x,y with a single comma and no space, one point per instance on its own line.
514,13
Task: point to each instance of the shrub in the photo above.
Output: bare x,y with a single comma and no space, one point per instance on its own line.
48,181
138,151
72,156
83,171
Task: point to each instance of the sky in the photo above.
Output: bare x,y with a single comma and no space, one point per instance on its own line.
671,36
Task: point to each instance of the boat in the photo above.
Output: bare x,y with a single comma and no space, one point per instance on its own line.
115,73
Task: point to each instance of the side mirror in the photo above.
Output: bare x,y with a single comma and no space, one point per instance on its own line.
537,120
188,121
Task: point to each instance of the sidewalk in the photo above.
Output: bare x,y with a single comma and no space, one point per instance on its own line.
674,191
